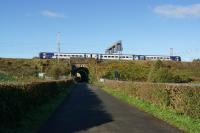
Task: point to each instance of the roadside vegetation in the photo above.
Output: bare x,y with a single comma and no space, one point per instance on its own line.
19,100
142,83
177,105
27,100
166,89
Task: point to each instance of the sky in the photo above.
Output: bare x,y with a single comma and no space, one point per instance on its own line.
149,27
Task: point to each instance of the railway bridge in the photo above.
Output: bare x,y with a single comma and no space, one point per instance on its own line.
80,72
80,69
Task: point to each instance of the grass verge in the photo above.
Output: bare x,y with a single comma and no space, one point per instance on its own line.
34,120
183,122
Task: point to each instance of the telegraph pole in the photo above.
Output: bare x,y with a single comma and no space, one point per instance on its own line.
58,43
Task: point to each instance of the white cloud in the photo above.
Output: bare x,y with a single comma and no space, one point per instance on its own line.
52,14
178,11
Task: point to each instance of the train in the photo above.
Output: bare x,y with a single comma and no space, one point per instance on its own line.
54,55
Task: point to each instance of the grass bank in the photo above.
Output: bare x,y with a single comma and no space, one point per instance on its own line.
183,122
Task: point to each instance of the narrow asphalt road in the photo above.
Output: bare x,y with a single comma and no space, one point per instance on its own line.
91,110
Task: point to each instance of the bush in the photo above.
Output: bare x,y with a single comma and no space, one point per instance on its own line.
165,74
183,98
17,99
127,71
58,70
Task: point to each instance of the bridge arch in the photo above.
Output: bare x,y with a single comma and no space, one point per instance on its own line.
80,74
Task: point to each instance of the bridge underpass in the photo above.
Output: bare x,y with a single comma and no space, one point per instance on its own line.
80,73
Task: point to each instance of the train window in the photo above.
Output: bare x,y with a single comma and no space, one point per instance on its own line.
116,57
105,56
108,56
112,56
126,56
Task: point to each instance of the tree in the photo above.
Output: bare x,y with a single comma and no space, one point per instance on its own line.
196,60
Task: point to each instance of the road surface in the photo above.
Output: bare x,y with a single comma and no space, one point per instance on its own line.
91,110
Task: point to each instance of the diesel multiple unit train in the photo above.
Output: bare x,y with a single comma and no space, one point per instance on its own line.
52,55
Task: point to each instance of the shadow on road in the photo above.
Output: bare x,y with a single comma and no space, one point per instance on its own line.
82,110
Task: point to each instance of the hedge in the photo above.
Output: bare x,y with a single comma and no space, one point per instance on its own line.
18,99
184,98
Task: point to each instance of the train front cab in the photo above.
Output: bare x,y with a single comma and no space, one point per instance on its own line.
175,58
46,55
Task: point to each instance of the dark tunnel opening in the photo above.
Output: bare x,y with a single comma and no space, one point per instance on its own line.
81,74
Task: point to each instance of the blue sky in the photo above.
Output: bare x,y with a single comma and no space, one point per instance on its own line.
144,26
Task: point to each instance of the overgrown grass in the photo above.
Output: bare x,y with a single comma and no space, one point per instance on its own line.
35,118
183,122
4,77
